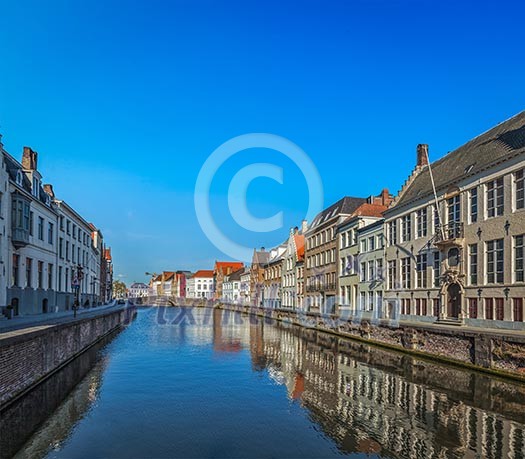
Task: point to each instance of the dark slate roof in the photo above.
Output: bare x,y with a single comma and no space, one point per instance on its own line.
260,257
13,167
236,275
345,206
500,143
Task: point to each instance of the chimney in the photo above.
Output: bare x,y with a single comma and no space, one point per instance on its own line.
48,188
385,197
29,158
422,155
262,249
296,230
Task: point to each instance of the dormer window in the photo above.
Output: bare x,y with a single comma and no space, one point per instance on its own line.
36,187
19,178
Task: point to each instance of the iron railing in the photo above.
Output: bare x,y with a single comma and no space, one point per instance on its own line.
452,230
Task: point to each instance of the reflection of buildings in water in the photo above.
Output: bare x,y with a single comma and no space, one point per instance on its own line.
382,409
19,421
52,434
230,331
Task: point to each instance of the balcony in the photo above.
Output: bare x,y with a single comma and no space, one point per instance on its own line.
20,237
451,233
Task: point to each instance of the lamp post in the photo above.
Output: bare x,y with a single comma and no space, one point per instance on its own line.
77,278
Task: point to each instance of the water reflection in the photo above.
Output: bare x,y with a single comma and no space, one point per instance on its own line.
228,375
19,420
376,401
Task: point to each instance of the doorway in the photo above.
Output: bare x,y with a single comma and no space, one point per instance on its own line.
454,300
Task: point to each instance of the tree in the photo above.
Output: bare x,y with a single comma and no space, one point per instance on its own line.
119,289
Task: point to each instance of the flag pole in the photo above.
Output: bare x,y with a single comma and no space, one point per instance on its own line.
435,197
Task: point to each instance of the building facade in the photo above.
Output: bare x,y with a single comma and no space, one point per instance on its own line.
48,249
351,269
321,248
200,285
220,270
231,287
273,277
293,267
458,258
138,290
370,291
259,261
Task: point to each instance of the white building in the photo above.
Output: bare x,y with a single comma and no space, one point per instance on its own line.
245,286
138,290
4,246
200,285
44,243
231,287
371,272
32,222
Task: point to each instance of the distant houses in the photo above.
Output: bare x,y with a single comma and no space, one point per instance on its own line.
448,248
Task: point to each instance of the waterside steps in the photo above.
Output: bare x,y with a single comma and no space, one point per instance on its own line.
450,321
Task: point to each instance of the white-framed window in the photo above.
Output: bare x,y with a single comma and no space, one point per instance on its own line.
421,217
519,275
473,264
379,268
392,274
406,228
421,268
495,255
392,232
362,273
371,243
495,203
437,268
405,272
519,189
473,205
454,209
371,271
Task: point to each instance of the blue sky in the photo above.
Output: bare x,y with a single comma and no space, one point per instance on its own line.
125,100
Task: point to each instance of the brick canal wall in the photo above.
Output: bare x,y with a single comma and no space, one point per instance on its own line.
27,357
493,351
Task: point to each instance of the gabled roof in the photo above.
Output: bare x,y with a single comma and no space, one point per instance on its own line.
222,266
236,275
502,142
345,206
299,246
204,273
370,210
260,257
168,275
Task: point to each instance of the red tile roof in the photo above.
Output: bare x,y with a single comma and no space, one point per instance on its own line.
204,273
224,265
370,210
299,244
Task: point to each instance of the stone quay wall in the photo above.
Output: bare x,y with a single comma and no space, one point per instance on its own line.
492,351
28,356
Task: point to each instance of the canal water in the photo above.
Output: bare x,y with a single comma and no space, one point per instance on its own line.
210,383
